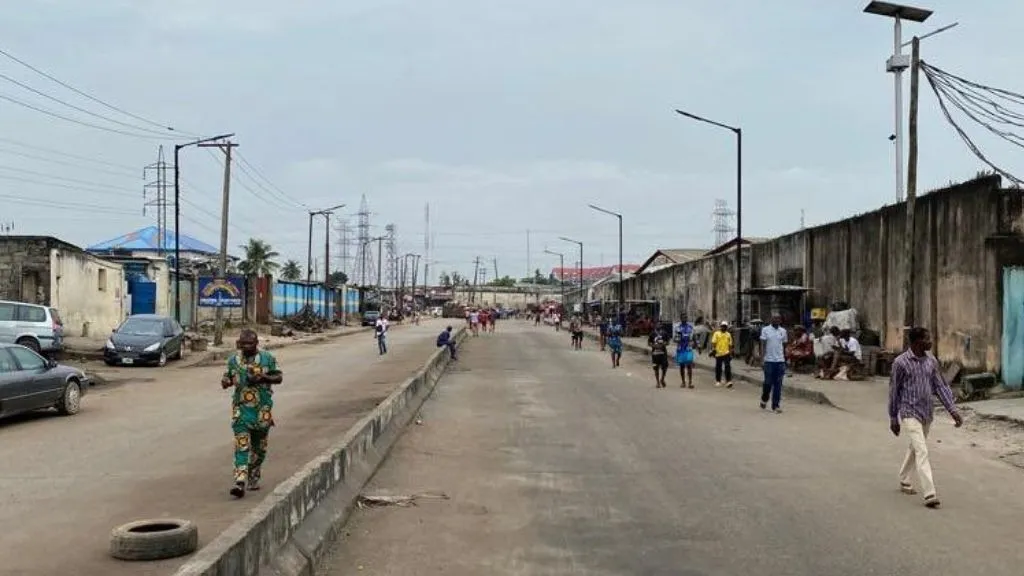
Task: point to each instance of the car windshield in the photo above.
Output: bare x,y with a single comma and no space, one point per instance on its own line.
140,327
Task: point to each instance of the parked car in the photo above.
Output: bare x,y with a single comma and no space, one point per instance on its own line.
33,326
145,339
370,317
30,382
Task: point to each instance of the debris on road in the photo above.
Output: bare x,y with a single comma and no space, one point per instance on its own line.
306,320
381,500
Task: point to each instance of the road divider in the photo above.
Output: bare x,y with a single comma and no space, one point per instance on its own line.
289,531
789,389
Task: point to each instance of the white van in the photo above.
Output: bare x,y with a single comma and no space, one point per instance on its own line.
31,325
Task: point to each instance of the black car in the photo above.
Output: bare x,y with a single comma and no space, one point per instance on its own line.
144,339
370,317
30,382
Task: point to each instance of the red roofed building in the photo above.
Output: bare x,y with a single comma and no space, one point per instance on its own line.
591,275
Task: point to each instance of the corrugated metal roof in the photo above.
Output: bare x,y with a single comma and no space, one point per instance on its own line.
148,239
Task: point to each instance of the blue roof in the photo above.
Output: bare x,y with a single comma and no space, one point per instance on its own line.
148,239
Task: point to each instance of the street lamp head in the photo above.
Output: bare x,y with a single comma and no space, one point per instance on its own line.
609,212
893,10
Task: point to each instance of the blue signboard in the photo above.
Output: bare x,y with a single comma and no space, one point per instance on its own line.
221,292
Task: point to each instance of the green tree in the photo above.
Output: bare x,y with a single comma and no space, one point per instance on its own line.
337,278
506,281
291,271
259,258
458,280
445,279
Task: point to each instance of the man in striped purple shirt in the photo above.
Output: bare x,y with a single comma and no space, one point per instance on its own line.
915,379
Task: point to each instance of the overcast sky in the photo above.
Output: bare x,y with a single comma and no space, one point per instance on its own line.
502,115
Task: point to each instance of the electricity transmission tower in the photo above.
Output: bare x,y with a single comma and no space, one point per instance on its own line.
722,222
154,194
390,256
365,263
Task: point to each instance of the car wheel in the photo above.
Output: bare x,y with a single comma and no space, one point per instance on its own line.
163,359
29,343
71,402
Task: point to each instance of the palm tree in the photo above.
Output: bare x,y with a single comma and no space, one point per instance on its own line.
291,271
259,258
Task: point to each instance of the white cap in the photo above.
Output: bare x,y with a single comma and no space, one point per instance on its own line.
724,323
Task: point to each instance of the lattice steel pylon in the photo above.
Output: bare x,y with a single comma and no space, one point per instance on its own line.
390,257
365,264
721,218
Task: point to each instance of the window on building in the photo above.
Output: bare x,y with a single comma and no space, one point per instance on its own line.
102,280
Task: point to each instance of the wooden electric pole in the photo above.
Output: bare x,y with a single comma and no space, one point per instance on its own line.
222,270
909,277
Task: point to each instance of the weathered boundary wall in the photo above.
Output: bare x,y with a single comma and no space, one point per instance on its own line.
964,236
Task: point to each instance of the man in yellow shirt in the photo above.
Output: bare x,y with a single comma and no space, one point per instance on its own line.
721,351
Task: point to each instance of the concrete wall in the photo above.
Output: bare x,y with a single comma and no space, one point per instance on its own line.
25,269
88,291
964,236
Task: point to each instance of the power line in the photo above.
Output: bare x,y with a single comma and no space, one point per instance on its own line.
64,163
74,121
939,81
80,109
244,161
66,154
89,96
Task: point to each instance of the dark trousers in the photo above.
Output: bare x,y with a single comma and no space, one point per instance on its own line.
451,348
723,364
774,372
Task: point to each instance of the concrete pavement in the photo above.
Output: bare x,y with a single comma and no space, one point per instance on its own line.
556,464
163,448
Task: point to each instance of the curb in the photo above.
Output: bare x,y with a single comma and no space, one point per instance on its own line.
994,417
198,358
207,358
288,533
815,396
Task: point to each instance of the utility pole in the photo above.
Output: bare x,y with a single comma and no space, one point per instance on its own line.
529,272
476,275
328,313
177,217
222,272
908,238
496,269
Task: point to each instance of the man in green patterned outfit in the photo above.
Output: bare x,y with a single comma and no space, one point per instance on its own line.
251,372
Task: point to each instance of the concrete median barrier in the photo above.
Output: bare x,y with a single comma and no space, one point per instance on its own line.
288,532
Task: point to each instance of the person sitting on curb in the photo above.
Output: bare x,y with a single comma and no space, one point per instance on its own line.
446,339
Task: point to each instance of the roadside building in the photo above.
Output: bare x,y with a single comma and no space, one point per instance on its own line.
966,285
89,291
148,259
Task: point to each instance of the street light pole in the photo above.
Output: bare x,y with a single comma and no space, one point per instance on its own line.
177,218
561,274
580,267
739,205
896,64
622,293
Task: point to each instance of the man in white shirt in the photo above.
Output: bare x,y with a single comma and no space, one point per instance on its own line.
380,331
773,338
851,345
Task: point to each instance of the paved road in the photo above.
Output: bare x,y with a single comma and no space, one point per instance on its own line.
162,447
557,464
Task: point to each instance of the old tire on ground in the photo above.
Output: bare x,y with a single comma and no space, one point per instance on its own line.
154,539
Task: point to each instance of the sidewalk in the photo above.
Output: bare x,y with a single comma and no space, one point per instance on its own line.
81,349
868,396
1007,410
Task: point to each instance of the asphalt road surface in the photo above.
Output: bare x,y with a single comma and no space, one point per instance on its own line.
556,464
162,446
